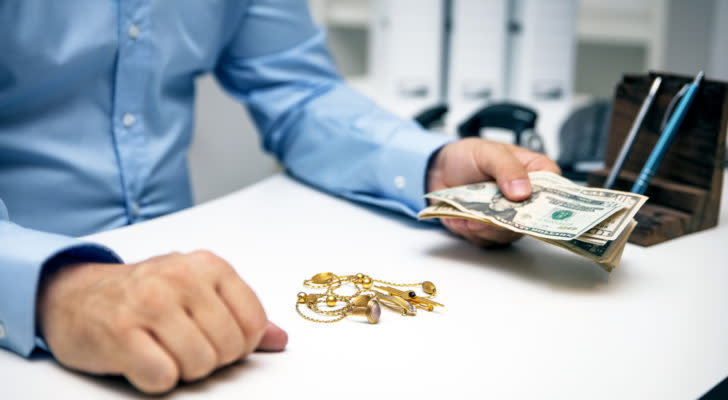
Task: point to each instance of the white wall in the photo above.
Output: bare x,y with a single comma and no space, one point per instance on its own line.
226,154
688,35
718,58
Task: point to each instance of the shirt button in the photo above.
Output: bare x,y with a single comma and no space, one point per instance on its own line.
135,209
3,332
134,31
399,182
128,119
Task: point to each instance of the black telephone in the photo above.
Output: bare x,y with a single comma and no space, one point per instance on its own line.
517,118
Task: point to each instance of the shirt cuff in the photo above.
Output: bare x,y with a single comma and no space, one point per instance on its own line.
403,166
25,255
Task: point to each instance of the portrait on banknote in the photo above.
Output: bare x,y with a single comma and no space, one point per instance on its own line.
499,206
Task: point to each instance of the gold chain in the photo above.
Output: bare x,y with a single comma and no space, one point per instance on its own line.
398,284
366,299
342,316
429,296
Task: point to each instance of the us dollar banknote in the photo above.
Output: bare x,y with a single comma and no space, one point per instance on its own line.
610,228
603,241
556,212
606,255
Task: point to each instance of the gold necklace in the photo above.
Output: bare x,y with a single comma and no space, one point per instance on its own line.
368,296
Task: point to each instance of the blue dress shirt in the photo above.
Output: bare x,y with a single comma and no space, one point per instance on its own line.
96,117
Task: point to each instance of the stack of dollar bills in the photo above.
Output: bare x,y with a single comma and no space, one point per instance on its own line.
592,222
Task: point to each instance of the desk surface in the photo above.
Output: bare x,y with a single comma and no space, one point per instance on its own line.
531,321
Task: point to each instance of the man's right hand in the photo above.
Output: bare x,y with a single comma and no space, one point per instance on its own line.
177,316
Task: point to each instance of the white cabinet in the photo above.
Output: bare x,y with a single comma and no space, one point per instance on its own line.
626,22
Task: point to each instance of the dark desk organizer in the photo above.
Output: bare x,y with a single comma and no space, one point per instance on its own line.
685,192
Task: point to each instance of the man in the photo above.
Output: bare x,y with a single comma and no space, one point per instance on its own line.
96,105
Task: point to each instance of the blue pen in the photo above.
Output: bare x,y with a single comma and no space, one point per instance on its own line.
666,137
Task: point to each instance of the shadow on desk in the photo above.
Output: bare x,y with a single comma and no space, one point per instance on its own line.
119,384
535,264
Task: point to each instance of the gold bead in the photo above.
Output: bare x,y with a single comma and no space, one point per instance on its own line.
359,277
429,288
302,297
366,282
330,300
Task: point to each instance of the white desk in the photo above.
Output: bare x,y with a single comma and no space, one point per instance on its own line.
529,322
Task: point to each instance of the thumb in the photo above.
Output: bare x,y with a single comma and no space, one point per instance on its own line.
274,338
499,162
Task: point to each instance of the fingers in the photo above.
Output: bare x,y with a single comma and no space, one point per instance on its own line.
250,328
193,353
178,316
146,364
223,308
201,312
230,315
246,310
500,162
218,325
274,338
480,234
533,161
475,160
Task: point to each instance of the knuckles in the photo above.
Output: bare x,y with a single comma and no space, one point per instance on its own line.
155,287
208,259
122,322
185,272
208,263
182,274
206,256
542,162
152,295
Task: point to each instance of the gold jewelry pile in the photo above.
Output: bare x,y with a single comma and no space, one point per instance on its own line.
365,299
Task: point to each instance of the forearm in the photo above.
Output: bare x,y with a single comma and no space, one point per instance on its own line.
328,134
346,144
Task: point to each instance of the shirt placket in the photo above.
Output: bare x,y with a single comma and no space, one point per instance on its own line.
132,76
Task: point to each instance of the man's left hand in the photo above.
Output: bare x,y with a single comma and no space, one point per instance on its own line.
475,160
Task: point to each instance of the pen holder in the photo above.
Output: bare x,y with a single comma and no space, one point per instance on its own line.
684,195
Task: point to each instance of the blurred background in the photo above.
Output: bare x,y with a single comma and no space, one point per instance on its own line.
559,58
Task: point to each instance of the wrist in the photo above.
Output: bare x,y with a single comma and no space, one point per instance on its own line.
434,175
63,276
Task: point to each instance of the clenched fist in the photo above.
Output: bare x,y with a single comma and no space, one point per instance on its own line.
177,316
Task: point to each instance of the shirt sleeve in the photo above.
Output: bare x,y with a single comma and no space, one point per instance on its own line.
324,132
25,255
